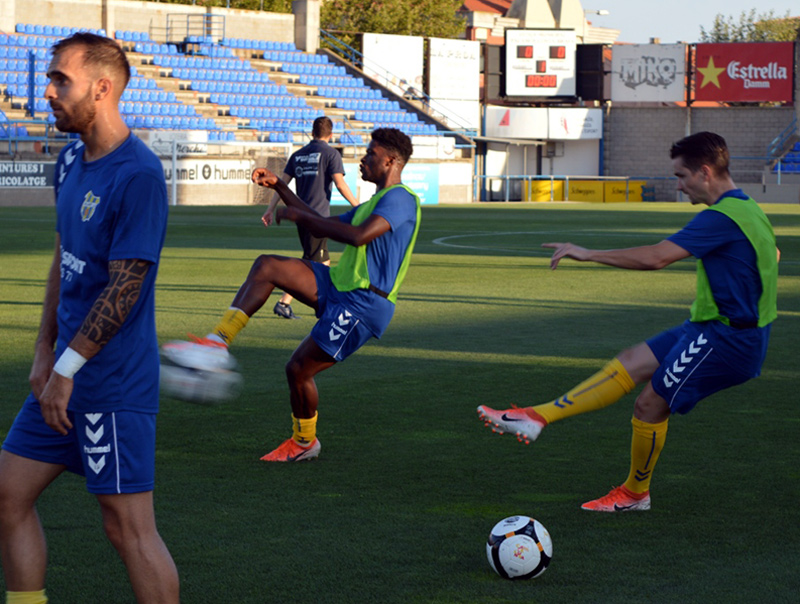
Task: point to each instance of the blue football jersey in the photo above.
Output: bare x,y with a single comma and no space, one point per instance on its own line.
114,208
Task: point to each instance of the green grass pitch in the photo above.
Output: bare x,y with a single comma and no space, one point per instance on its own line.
398,507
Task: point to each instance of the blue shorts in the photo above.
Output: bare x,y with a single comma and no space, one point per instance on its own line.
339,330
114,451
697,359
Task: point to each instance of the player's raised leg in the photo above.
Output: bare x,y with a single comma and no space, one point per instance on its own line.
267,273
619,377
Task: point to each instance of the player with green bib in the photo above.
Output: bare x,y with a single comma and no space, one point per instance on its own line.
723,343
355,300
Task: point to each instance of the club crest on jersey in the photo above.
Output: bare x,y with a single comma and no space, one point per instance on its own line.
88,206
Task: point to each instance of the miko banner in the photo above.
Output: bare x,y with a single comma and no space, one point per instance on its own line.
746,72
648,72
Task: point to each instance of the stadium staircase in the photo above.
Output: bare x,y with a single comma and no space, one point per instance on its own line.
236,90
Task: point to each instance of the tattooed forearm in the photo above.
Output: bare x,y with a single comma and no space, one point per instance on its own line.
115,302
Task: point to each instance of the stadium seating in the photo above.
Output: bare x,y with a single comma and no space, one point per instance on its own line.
176,82
789,163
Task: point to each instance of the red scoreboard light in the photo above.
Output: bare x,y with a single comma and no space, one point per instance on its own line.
541,81
540,62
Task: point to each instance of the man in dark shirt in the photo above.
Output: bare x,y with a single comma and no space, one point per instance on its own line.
315,167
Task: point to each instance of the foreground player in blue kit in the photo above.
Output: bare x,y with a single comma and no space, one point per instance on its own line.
354,301
94,380
723,343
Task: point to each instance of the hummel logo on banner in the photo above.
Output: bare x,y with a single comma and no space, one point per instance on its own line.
98,465
94,436
342,320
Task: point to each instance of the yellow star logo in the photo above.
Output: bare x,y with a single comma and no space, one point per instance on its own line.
710,73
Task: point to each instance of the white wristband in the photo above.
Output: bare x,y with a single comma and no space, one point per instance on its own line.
69,363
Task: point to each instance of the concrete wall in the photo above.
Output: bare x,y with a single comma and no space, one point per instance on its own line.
637,139
134,15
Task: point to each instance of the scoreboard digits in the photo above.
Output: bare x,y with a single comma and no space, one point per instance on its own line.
541,81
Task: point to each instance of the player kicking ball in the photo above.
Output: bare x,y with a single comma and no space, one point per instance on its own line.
354,301
723,343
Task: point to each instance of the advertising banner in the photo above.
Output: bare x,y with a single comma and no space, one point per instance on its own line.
544,190
185,142
24,174
648,73
744,72
540,62
395,61
574,123
620,190
557,123
516,122
455,67
423,179
585,190
209,172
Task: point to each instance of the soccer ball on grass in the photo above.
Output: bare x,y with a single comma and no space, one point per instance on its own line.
519,547
198,373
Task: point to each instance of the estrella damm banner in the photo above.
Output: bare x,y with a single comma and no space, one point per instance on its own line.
744,72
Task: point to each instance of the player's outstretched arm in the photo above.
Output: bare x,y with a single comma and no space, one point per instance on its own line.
333,228
643,258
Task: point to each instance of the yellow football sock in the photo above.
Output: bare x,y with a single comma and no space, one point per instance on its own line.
233,321
646,444
26,597
605,387
304,431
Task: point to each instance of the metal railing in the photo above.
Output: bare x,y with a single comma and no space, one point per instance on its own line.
194,29
779,145
16,131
